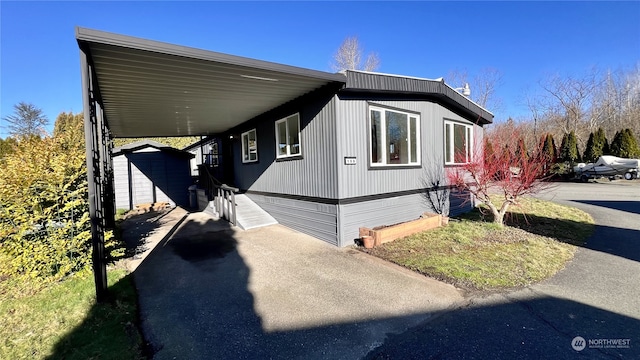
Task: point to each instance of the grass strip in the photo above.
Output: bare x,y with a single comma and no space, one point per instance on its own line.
539,239
63,321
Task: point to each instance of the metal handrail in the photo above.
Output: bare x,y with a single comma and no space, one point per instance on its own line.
223,196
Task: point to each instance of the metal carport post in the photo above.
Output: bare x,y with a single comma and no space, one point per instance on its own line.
99,171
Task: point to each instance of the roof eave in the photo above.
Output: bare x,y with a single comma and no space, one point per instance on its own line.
361,81
88,36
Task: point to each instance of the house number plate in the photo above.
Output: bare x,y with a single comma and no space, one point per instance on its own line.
349,160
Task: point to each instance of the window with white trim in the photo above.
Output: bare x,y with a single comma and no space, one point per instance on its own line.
394,137
288,137
249,146
458,143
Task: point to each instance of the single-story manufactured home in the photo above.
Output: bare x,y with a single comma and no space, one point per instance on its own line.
349,155
323,153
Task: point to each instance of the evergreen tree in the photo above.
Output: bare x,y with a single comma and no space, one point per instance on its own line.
625,145
597,145
549,148
569,148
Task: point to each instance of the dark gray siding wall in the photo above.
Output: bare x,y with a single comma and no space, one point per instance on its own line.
148,176
353,141
313,175
315,219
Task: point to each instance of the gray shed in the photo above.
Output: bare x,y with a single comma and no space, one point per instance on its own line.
148,172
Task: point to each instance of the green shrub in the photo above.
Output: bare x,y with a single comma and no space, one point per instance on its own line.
45,231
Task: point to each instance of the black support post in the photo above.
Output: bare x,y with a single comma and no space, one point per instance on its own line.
93,141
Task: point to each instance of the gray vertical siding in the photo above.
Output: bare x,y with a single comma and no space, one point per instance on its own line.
379,212
121,182
391,211
141,185
315,219
332,129
360,180
315,175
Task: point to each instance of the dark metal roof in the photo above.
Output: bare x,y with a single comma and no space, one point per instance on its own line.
150,88
396,84
139,145
153,89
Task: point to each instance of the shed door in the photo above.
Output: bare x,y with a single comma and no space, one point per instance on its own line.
141,185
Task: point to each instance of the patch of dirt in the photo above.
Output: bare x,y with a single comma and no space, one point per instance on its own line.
159,207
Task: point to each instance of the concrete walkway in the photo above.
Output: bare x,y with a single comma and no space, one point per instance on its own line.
208,291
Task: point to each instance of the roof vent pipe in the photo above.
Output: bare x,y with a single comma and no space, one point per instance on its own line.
465,90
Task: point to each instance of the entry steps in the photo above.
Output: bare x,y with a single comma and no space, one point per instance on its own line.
249,215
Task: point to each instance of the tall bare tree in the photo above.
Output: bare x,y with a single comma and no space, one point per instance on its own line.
349,57
26,120
483,86
570,98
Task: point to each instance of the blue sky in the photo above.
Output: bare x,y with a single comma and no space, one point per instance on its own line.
526,41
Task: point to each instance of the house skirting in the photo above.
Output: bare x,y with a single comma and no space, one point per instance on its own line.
338,221
307,215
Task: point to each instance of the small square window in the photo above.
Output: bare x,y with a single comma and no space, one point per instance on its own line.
458,143
249,146
288,137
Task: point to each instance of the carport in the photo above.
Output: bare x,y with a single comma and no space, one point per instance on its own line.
133,87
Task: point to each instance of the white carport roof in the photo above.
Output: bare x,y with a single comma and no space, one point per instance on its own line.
149,88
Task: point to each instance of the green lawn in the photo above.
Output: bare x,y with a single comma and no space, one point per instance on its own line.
62,321
538,241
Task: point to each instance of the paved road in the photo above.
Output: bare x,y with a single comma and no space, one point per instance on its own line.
597,296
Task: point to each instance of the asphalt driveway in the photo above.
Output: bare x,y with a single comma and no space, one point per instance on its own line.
207,291
596,297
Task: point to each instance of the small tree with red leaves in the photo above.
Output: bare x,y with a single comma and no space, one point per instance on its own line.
506,171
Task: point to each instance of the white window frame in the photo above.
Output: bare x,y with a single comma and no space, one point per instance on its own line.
288,147
248,150
449,154
383,135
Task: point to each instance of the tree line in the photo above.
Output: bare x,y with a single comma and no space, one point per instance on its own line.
586,116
